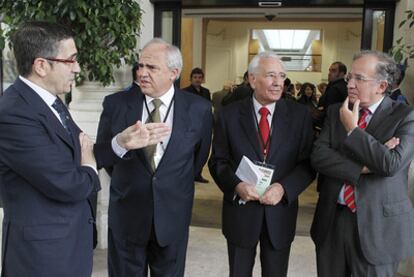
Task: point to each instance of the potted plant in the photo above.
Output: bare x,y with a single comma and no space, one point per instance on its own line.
402,51
105,30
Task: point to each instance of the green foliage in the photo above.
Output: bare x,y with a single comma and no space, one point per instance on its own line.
402,51
105,30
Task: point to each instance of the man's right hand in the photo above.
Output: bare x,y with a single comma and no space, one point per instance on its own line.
247,192
87,157
141,135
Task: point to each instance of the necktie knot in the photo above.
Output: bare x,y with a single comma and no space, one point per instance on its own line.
63,114
157,103
58,106
362,122
264,112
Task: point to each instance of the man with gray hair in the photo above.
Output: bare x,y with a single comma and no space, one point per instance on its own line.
152,188
364,220
276,135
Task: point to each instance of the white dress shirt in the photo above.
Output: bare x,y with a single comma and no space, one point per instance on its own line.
166,100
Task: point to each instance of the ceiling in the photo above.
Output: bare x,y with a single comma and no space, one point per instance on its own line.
283,3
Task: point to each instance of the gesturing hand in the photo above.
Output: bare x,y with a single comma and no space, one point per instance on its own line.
141,135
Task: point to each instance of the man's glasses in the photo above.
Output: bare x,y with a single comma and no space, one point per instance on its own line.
357,78
66,61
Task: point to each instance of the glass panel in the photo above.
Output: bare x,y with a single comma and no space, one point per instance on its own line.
167,26
300,50
377,39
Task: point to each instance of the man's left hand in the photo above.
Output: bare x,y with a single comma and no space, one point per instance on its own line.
273,194
349,118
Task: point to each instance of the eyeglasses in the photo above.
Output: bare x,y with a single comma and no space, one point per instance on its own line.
357,78
66,61
280,76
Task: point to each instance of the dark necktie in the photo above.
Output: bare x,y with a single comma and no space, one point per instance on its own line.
153,117
264,128
349,194
63,114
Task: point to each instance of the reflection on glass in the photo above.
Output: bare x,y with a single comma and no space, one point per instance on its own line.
167,26
300,50
377,39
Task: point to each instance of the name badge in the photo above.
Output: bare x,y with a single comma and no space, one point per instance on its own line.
266,180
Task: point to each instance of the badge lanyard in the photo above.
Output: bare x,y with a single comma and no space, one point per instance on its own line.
266,143
166,115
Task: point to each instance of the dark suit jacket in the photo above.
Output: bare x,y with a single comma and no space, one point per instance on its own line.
204,92
336,92
47,226
140,197
236,135
385,215
240,92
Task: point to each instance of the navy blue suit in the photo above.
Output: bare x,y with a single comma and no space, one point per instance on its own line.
142,201
47,226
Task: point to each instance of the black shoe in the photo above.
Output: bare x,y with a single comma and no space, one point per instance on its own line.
200,179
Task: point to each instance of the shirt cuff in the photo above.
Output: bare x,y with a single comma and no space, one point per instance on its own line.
118,150
91,166
350,132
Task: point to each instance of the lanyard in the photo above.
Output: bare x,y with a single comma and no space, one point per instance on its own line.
266,144
166,115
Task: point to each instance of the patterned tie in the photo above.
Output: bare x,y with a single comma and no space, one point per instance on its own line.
63,114
264,128
349,195
153,117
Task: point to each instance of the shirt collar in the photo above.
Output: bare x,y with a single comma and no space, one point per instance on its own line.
257,106
374,106
166,98
47,97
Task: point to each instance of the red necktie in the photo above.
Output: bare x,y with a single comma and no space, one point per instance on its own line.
349,195
264,128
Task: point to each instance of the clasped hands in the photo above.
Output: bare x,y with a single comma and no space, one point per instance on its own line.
141,135
272,196
349,119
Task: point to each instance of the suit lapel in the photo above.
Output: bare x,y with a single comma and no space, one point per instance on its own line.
46,116
180,126
249,126
382,112
280,125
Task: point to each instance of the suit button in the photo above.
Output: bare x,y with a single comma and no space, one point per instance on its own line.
154,179
91,221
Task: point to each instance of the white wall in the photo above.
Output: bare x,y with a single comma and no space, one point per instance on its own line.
228,41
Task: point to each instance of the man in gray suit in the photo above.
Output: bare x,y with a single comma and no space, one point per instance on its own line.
364,220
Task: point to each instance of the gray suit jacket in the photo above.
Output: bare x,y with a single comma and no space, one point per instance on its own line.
385,214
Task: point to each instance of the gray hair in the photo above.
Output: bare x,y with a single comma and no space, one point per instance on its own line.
254,63
173,54
386,66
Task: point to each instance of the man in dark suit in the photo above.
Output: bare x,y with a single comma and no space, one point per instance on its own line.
396,93
364,220
47,167
152,189
335,92
197,78
247,216
240,92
